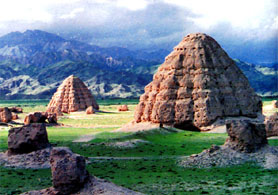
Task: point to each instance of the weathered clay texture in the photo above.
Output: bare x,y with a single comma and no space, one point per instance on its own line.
271,125
197,83
68,170
72,95
5,115
123,108
245,136
27,139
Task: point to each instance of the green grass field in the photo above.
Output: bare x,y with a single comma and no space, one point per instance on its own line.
149,167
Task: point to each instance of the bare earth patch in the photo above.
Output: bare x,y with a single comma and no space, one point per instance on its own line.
35,160
222,156
94,186
126,144
85,138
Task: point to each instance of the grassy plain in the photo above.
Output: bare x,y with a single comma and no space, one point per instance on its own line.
149,167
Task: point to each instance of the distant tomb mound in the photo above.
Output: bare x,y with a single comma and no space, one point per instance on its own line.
197,84
72,95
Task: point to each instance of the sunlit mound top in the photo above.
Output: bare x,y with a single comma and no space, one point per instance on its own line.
72,95
197,84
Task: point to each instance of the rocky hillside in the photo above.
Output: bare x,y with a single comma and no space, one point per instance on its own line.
34,63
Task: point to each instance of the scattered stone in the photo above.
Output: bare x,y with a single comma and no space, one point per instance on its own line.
38,159
271,125
223,156
275,103
90,110
69,176
14,116
16,109
122,108
69,172
5,115
72,95
40,117
27,139
195,86
245,136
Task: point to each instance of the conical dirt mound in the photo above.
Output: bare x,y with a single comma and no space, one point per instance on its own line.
72,95
197,84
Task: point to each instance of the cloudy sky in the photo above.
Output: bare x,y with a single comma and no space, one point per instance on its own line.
145,23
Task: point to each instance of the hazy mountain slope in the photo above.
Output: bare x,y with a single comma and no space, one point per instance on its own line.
264,82
34,63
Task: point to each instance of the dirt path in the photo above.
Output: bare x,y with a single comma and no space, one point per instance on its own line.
85,138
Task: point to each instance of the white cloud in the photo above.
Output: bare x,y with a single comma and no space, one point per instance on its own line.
133,5
73,13
249,14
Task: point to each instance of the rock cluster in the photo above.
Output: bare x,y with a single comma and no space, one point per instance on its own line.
16,109
69,172
271,125
245,136
122,108
27,139
197,83
40,117
90,110
5,115
72,95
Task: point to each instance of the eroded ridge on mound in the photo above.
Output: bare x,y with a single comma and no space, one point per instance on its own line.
197,83
72,95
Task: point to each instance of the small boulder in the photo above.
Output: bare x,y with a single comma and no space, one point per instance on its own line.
123,108
69,172
245,136
275,103
5,115
16,109
27,138
52,118
90,110
14,116
271,125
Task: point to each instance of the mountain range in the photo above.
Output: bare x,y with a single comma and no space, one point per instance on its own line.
34,63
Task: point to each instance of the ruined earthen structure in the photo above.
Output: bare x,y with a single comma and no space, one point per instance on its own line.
69,176
72,95
245,136
123,108
68,170
271,125
27,139
197,84
5,115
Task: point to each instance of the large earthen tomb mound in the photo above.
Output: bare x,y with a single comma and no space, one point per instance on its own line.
197,84
72,95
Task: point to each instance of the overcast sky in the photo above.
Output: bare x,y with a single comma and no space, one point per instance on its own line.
142,23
